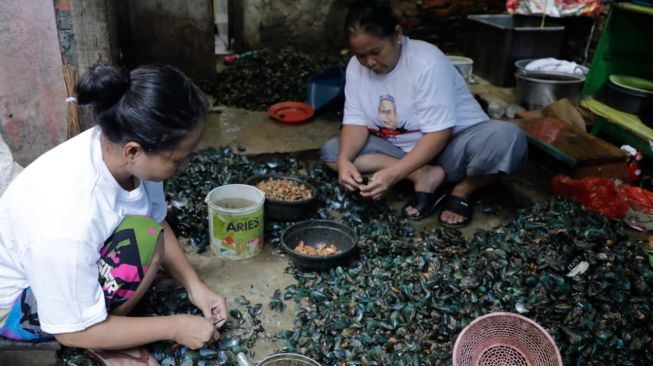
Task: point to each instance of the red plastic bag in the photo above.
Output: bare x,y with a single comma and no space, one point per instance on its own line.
638,198
555,8
595,194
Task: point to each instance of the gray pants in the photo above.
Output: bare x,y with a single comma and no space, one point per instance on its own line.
483,149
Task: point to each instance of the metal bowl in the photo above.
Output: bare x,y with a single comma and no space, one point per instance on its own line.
618,94
279,359
314,232
286,210
522,63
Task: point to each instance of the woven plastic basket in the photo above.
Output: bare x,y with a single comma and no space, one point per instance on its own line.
505,339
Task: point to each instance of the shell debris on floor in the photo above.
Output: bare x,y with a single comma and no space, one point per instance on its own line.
408,295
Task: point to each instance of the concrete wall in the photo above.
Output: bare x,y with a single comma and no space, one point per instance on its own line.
91,27
173,32
309,24
306,24
32,92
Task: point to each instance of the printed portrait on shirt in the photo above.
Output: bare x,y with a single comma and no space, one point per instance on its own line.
388,112
388,122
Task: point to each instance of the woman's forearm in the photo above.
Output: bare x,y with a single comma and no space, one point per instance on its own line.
119,332
352,140
427,148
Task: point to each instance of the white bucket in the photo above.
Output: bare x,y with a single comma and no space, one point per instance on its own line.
465,65
236,220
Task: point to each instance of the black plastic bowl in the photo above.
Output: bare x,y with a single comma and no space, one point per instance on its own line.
286,210
314,232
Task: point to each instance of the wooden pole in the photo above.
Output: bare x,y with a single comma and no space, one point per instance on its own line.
70,79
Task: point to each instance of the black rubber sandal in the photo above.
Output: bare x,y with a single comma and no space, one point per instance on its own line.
425,203
458,206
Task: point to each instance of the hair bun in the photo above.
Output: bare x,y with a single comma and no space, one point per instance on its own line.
102,86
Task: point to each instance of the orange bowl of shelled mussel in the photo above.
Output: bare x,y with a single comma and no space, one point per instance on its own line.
286,198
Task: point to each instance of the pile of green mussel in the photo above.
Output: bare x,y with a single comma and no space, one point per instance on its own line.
408,295
268,76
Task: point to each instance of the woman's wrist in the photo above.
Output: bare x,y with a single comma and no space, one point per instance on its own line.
398,172
342,160
178,322
194,286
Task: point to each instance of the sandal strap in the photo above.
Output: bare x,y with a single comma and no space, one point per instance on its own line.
458,205
424,201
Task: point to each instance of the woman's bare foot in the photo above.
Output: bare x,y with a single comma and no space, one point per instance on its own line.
453,218
464,190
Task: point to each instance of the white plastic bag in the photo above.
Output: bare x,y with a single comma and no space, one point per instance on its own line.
553,64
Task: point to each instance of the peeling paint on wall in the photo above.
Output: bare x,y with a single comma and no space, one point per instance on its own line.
32,91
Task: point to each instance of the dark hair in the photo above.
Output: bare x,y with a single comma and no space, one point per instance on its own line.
372,17
155,106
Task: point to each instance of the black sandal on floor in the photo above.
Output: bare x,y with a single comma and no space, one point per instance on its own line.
425,203
458,206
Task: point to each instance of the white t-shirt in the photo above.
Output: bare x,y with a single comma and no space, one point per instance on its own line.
54,219
424,93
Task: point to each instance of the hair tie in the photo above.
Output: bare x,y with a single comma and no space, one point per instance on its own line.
71,100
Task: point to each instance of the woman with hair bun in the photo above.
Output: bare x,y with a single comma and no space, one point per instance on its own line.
83,228
409,115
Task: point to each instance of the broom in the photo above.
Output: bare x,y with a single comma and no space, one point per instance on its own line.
72,121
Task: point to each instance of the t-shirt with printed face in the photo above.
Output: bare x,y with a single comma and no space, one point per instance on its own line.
423,93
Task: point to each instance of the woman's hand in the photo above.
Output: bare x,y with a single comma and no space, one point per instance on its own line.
194,331
379,183
348,175
211,304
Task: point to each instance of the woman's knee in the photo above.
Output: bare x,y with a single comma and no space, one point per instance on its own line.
516,142
502,147
508,137
329,152
510,146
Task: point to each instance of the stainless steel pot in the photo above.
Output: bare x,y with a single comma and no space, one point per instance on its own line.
538,89
280,359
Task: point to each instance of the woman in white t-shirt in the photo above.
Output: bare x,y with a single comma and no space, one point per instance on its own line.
409,114
93,208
